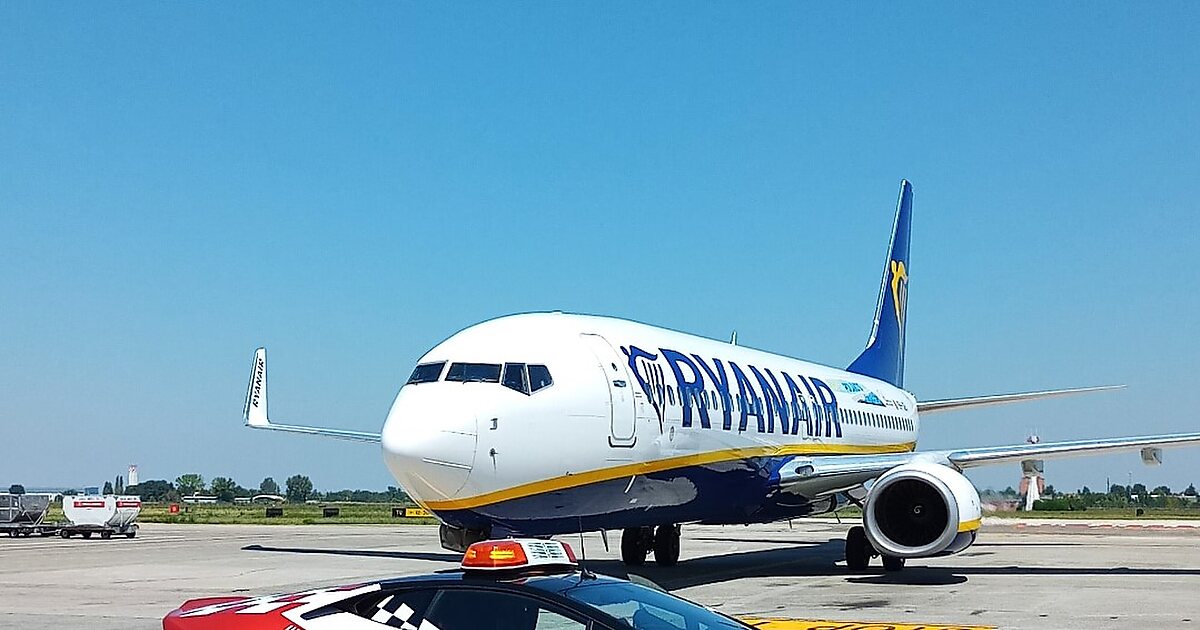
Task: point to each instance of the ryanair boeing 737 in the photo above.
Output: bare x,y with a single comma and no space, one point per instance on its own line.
550,423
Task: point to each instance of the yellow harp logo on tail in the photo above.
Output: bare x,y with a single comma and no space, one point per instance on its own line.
899,290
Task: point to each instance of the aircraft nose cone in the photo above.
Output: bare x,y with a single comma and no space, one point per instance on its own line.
429,441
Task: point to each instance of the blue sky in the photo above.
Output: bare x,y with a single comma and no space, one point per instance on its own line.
348,184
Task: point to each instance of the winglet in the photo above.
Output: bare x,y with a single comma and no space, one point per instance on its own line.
255,411
884,357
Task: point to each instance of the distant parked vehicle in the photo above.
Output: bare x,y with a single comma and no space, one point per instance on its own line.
25,514
100,515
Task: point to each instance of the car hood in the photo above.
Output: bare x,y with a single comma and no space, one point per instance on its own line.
271,612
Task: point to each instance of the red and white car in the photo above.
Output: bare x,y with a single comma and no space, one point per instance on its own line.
502,585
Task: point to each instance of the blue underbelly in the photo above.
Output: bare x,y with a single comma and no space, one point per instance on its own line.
732,492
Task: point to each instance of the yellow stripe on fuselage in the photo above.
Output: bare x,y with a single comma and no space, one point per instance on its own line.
644,468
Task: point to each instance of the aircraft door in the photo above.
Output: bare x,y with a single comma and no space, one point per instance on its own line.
620,390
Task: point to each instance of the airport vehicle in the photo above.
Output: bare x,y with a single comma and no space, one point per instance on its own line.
549,423
24,515
101,515
503,585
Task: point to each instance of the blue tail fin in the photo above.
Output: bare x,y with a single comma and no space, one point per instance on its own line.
884,357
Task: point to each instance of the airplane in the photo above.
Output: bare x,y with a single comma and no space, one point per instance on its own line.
542,424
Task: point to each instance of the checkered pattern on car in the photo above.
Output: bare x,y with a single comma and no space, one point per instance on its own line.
397,614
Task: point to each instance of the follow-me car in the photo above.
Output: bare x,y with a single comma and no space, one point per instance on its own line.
503,585
551,423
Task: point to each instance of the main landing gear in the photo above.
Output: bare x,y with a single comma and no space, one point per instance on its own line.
638,542
859,552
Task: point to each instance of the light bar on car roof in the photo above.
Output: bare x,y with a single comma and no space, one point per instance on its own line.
517,553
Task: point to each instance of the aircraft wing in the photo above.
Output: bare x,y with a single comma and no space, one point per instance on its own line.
926,407
820,475
255,410
972,457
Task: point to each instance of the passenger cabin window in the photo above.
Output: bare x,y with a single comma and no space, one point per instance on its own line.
426,373
474,373
514,377
539,377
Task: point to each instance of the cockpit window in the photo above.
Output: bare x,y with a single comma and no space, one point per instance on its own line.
426,373
474,372
539,377
514,377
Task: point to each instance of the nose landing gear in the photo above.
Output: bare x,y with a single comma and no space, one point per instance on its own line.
859,552
458,539
638,542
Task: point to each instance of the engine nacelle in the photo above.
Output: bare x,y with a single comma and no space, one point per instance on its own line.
920,510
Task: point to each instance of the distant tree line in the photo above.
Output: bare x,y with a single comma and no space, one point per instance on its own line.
297,489
1117,496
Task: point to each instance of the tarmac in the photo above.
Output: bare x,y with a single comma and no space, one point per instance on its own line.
1020,574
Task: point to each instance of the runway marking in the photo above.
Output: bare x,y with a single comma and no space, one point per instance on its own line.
1105,526
775,623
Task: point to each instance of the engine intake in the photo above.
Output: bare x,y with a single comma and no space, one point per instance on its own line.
921,510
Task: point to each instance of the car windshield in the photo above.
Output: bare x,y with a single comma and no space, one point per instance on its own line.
647,609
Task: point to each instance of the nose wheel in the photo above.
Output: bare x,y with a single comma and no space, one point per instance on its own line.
639,542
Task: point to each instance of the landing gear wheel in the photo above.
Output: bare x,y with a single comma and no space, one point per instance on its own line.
858,549
633,546
666,545
891,563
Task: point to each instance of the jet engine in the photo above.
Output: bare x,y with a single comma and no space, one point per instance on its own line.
921,509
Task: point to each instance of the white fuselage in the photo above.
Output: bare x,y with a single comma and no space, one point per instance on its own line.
638,425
